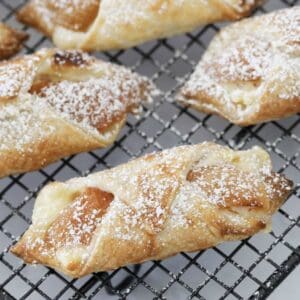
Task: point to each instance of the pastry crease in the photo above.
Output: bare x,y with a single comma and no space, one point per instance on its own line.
119,24
250,73
57,103
182,199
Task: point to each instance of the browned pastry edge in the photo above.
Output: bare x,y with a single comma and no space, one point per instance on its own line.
253,79
30,15
246,208
268,111
219,227
10,41
58,103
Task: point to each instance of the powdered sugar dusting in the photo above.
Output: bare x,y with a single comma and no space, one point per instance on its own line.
79,15
127,12
227,183
247,60
74,14
75,229
156,190
97,103
69,6
16,77
147,205
228,188
166,191
22,124
94,104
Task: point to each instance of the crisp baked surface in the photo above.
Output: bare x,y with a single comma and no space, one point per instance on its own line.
251,70
56,103
10,41
115,24
182,199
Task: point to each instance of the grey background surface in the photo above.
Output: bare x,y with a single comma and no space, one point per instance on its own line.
232,270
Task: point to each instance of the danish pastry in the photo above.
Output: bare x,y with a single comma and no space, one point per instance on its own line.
251,70
182,199
10,41
119,24
57,103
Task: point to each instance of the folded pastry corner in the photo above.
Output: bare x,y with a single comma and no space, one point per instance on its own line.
56,103
250,73
182,199
118,24
10,41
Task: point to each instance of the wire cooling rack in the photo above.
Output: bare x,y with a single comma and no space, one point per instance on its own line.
248,269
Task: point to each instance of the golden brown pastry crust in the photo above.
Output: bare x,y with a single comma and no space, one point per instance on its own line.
57,103
10,41
45,14
182,199
251,70
118,24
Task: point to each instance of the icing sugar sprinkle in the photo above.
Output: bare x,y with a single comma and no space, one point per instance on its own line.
160,195
69,6
94,104
98,101
261,56
53,12
75,229
16,77
23,124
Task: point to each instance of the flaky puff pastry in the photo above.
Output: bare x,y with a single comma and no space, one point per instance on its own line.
251,70
10,41
119,24
57,103
183,199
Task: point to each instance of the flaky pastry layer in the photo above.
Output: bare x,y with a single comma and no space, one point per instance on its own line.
182,199
119,24
251,70
56,103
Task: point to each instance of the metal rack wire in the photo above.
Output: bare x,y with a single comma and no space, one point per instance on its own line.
248,269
